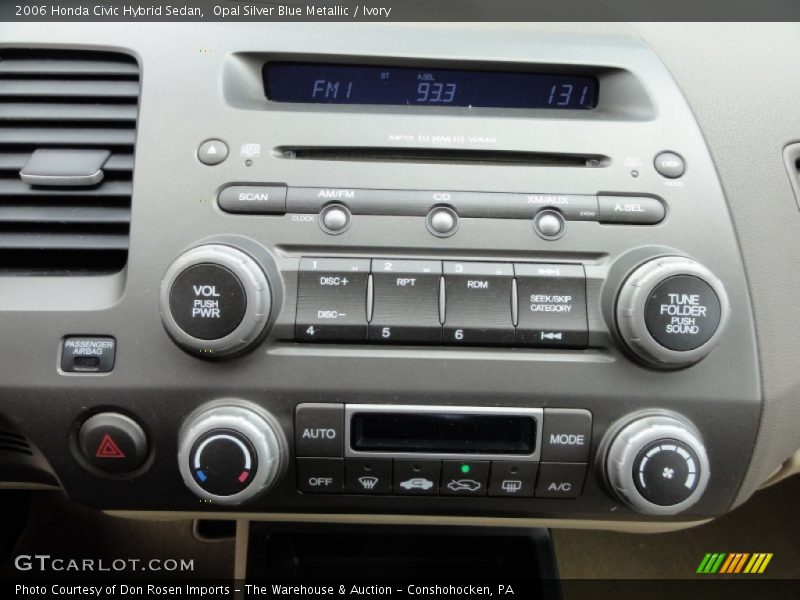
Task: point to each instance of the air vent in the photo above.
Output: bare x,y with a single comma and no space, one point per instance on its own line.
12,442
60,112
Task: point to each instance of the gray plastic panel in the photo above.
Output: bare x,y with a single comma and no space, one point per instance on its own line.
174,208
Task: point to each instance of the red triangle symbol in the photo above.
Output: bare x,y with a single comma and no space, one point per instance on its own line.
108,449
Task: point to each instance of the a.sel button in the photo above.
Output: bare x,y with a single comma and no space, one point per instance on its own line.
567,435
320,475
319,429
332,300
560,480
631,210
368,475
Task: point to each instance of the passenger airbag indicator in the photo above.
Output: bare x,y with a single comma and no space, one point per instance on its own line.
88,354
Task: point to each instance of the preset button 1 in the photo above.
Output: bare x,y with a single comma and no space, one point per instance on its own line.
332,300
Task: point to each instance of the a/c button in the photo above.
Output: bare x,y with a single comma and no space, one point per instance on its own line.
560,480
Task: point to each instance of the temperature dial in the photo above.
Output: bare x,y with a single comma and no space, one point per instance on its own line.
230,453
658,465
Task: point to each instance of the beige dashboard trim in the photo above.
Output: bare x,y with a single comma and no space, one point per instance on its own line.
622,526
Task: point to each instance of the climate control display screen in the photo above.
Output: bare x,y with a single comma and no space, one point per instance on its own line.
409,86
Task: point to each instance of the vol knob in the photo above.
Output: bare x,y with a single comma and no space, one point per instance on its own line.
658,465
672,311
215,300
230,454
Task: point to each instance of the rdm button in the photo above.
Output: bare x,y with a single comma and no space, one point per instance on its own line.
682,313
207,301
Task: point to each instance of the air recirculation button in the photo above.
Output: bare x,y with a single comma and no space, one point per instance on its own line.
215,300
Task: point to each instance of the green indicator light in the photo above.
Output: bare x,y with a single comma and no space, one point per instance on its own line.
465,468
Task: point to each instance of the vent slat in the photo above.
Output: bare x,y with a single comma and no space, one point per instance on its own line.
107,189
47,66
29,111
72,137
74,215
41,88
66,99
63,241
118,163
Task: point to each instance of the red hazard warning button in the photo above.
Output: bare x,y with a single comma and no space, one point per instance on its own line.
113,442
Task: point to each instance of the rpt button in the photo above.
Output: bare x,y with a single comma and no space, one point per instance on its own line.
332,300
319,429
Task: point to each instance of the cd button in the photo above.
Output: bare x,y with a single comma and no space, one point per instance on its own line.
464,477
368,475
512,479
416,477
442,222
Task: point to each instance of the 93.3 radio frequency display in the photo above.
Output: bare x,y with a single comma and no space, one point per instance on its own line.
407,86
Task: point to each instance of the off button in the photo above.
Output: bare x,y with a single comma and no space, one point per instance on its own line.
208,301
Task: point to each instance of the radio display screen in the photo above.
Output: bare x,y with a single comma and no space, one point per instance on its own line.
406,86
443,433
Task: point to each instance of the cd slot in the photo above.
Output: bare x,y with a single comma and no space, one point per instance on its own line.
443,156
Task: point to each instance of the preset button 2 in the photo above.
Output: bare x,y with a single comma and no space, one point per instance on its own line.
405,305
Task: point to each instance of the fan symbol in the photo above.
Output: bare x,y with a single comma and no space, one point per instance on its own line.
667,473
